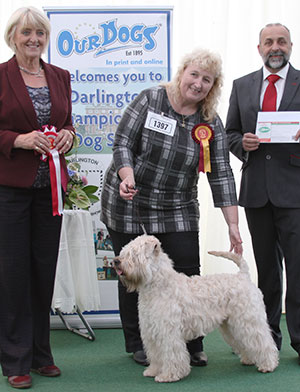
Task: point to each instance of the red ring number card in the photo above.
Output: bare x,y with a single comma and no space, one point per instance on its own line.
159,123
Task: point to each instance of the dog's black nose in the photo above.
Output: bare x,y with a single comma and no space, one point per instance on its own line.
116,262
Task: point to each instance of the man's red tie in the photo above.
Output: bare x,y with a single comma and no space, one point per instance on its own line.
270,97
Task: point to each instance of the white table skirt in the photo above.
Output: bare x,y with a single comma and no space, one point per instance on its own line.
76,274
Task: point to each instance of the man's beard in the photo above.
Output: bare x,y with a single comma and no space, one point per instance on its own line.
277,63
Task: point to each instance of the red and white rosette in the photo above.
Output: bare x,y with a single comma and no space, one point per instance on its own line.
55,170
203,135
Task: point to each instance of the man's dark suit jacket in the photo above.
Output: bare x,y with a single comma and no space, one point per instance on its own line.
273,171
18,167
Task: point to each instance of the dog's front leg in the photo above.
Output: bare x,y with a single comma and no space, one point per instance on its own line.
151,371
169,360
175,361
154,360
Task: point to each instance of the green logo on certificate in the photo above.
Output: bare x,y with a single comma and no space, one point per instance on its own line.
264,129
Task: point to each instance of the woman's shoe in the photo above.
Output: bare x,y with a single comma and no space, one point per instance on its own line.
140,357
48,371
20,382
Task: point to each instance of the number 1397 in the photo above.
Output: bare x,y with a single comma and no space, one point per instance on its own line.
160,125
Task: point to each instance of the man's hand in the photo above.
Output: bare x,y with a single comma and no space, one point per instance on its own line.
250,142
297,137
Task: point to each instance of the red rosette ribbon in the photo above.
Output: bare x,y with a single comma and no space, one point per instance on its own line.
55,170
203,135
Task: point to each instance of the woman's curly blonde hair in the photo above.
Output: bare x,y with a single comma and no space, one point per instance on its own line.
207,61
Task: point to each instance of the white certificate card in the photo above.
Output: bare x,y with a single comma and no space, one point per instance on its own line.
277,127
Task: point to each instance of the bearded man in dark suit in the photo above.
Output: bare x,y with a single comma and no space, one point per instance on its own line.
270,185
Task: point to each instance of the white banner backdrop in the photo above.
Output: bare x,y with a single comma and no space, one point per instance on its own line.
112,54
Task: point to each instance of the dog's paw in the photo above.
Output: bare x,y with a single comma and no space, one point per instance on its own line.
267,367
263,370
247,362
150,372
166,378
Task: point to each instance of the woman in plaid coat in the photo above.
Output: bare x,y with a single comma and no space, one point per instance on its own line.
153,178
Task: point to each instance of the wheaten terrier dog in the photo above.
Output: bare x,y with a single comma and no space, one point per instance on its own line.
175,308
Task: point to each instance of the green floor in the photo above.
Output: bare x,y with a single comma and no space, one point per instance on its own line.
103,366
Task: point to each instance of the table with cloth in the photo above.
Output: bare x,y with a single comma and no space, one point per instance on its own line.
76,287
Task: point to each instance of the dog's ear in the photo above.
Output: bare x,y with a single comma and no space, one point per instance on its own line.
156,247
151,246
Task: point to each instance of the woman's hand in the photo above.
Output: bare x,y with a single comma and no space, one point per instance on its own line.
34,140
40,143
64,141
231,216
127,186
127,190
235,239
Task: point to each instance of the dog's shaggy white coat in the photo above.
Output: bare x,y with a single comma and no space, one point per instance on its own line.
175,308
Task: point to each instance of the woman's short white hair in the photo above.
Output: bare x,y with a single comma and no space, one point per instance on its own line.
26,17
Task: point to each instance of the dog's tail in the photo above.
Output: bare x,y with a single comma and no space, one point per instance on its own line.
237,259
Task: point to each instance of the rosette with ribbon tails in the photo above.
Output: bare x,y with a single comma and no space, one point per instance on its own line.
55,173
203,135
